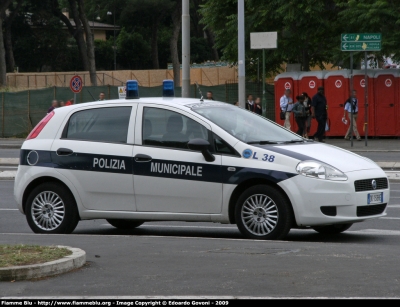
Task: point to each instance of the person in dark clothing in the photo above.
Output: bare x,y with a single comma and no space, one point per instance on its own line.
250,103
257,108
300,115
307,103
54,104
319,112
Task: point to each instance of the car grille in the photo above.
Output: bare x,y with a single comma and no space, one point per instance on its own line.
366,184
329,210
370,210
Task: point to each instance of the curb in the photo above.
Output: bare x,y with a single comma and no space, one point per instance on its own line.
76,260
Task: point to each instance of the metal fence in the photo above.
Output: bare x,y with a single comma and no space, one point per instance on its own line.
21,111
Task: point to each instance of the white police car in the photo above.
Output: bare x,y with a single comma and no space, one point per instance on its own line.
177,159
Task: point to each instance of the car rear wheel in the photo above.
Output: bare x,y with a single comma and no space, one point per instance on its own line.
51,208
263,212
332,229
124,224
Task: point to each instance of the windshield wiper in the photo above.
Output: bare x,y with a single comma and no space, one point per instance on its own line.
293,141
262,142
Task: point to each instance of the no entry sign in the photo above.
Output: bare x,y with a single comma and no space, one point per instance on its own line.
76,84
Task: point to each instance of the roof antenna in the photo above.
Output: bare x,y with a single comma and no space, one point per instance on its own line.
201,94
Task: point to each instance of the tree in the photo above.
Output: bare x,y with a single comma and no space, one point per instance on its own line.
3,71
373,16
80,32
308,32
10,62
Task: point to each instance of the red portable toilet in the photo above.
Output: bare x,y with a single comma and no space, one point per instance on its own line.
308,82
286,80
359,86
386,102
337,91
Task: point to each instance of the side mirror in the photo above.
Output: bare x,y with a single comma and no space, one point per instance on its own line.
201,145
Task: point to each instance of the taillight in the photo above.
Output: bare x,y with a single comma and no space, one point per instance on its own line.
39,127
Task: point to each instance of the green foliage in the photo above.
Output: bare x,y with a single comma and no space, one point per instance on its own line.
133,50
374,16
199,50
307,30
104,54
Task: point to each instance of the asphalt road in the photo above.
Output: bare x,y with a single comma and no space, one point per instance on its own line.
206,259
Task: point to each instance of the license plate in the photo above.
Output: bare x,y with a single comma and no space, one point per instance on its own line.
375,198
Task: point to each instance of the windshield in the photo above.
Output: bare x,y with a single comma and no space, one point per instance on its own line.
245,125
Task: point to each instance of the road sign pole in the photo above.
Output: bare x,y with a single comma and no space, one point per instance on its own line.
264,100
366,101
351,100
74,98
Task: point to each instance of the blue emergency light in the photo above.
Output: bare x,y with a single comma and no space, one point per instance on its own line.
132,89
168,88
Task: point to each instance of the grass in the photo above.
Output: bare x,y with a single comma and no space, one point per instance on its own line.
16,255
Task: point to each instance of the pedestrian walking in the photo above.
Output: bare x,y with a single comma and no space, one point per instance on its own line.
249,102
210,95
319,111
307,103
257,106
300,115
351,107
102,96
54,104
70,102
286,105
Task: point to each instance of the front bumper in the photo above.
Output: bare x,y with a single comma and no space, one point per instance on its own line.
308,195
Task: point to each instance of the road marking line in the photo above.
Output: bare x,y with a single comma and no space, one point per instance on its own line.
9,209
390,218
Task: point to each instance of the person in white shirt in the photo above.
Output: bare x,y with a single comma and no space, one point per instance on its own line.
351,106
286,104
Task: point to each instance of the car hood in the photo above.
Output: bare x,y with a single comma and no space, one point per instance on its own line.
343,160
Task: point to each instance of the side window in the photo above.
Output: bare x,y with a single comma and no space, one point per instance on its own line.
165,128
99,125
223,147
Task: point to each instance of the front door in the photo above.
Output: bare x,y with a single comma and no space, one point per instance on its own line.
168,177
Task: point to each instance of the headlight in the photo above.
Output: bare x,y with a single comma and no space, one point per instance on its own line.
320,170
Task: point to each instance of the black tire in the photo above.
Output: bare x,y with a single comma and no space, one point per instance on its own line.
332,229
51,208
124,224
268,213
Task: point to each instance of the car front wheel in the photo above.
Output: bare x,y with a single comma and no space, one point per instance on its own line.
263,212
51,208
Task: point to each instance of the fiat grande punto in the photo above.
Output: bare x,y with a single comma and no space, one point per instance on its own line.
131,161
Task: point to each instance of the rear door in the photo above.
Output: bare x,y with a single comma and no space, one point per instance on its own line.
95,153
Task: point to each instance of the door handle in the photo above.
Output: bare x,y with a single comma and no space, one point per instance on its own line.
391,104
142,158
64,152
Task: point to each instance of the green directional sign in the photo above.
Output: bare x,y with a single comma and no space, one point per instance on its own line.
361,37
361,46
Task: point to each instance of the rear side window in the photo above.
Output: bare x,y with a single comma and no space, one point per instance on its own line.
99,125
